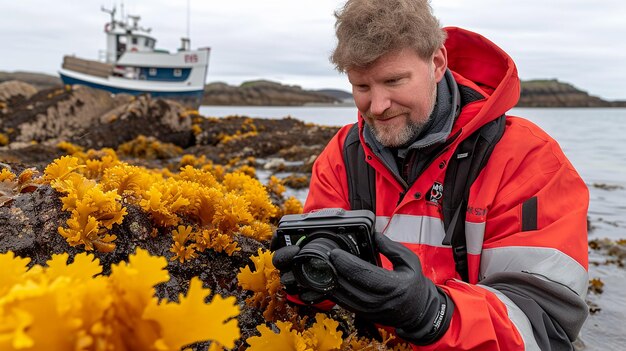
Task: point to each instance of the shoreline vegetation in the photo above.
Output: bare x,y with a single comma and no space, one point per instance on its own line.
534,93
129,179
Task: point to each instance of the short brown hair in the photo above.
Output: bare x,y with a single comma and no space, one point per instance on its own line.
368,29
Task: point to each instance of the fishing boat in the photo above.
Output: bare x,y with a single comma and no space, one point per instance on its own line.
131,64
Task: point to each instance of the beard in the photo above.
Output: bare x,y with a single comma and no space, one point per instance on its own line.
403,129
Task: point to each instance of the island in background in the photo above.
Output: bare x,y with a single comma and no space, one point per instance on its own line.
534,93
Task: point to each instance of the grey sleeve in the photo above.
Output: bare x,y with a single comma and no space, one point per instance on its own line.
555,312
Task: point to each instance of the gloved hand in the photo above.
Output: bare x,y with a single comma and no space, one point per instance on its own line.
283,261
402,298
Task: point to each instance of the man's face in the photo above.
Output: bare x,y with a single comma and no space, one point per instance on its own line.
396,94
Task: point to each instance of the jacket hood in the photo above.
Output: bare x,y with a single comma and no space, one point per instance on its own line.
480,64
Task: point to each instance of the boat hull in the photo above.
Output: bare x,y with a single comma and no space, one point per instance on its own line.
190,96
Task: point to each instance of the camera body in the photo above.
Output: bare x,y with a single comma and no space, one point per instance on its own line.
318,233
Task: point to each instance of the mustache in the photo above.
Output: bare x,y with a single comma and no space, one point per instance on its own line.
386,114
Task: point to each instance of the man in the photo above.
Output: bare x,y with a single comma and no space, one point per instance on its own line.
421,91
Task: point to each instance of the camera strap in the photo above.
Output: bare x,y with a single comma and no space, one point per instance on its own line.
465,165
361,176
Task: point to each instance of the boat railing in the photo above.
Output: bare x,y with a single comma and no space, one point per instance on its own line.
103,55
94,68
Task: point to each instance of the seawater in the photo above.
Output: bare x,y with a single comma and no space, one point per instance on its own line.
594,140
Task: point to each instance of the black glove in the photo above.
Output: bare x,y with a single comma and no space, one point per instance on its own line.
283,261
403,298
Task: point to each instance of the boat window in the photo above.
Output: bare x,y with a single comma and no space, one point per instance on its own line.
178,72
134,40
152,71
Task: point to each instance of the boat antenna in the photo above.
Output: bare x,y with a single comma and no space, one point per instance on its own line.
122,12
188,19
110,12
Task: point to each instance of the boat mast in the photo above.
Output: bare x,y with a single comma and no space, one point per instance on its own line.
110,12
185,43
122,11
188,19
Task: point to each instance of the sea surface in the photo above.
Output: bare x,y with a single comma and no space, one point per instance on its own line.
594,140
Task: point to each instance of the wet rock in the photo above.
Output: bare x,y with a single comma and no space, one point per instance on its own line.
13,89
233,137
295,181
57,114
608,187
93,119
162,119
613,251
274,164
25,155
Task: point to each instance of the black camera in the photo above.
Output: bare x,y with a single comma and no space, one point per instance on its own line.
317,234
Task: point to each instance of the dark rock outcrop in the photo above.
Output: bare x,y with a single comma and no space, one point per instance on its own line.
55,113
38,80
262,93
92,118
552,93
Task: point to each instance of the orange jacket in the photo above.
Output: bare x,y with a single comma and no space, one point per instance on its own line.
527,178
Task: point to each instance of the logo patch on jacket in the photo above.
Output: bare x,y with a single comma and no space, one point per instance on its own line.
436,192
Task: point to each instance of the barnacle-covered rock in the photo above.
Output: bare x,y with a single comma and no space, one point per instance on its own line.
57,114
161,119
13,89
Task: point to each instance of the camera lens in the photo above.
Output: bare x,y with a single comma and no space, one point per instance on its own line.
312,266
319,271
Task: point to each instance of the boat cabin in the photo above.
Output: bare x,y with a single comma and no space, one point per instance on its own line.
122,37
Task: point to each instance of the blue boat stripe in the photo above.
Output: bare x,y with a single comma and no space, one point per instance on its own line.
72,81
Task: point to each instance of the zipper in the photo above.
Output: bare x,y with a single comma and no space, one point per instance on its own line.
396,176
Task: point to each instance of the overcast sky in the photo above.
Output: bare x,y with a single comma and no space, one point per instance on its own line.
581,42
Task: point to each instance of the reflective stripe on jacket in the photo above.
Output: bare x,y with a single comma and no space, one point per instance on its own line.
526,222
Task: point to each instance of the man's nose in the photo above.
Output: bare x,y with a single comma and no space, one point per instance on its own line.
380,101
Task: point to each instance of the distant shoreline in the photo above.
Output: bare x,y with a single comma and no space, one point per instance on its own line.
549,93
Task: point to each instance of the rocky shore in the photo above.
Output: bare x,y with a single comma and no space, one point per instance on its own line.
37,127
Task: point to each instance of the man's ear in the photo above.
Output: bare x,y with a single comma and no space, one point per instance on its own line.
440,62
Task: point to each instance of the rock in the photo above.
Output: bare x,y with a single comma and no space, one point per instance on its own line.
38,80
56,114
274,163
262,93
552,93
162,119
94,119
14,88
